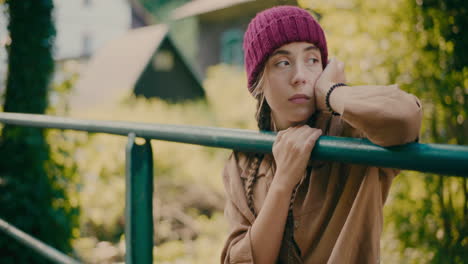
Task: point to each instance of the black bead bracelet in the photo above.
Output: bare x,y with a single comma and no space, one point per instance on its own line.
327,97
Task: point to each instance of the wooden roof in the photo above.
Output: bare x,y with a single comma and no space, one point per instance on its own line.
213,10
115,68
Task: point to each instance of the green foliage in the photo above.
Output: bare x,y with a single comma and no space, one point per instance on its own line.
33,186
188,195
419,45
415,44
381,42
440,78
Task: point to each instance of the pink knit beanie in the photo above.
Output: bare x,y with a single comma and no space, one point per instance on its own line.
275,27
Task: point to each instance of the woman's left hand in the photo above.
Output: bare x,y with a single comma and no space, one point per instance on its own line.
333,73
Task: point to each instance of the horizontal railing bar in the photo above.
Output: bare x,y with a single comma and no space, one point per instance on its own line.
433,158
47,251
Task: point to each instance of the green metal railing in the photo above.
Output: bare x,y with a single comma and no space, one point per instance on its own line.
48,252
435,158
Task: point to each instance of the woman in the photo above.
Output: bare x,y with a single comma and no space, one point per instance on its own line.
281,207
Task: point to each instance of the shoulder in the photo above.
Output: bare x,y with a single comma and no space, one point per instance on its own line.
237,161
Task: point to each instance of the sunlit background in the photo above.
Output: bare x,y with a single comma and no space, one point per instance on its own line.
181,62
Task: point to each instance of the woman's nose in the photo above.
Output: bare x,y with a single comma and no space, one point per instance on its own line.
299,75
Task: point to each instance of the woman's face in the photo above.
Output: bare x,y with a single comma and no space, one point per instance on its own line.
290,76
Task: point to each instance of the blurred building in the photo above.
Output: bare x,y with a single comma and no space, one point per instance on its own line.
169,67
144,62
159,49
84,26
220,26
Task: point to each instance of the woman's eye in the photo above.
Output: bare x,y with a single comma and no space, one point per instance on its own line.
282,63
313,60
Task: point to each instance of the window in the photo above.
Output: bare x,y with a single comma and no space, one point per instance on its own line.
87,3
231,47
163,60
86,45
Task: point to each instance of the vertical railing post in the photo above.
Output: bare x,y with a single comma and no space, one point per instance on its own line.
139,202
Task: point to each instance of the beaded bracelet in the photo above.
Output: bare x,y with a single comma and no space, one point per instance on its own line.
327,97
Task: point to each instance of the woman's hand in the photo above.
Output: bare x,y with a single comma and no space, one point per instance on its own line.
291,150
333,73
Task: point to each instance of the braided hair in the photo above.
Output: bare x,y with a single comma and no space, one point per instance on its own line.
263,117
264,123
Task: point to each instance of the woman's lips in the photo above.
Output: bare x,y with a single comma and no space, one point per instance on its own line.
299,98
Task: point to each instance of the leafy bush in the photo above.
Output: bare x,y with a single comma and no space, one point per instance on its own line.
188,194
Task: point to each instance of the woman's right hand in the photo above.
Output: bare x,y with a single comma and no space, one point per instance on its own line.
291,150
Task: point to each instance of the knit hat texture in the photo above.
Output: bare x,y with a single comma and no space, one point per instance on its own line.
275,27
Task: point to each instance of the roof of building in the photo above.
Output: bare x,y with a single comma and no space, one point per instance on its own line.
202,7
114,70
197,7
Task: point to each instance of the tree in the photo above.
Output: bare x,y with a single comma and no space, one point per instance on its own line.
418,44
439,217
32,197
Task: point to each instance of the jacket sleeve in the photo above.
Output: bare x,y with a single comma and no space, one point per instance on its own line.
237,248
386,115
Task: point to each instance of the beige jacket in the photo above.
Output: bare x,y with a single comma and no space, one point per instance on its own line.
338,208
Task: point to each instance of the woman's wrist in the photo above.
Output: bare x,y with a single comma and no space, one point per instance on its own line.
337,98
282,184
335,92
